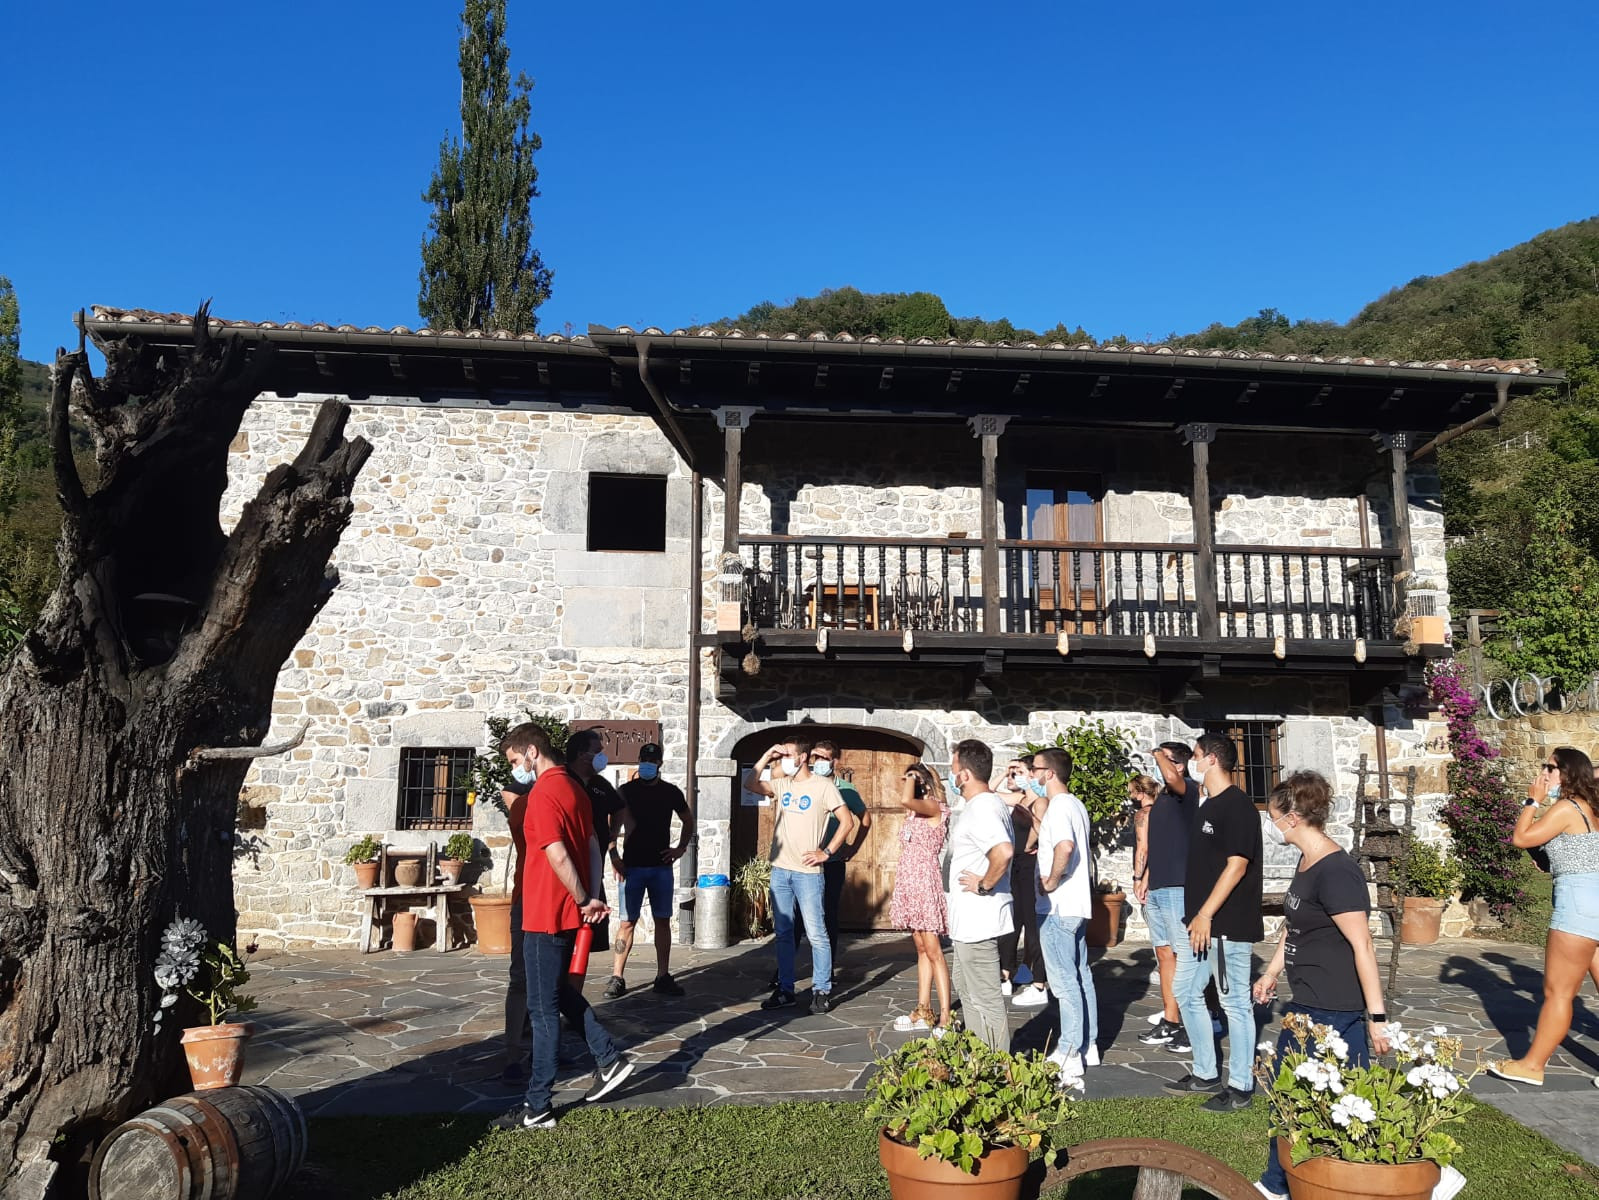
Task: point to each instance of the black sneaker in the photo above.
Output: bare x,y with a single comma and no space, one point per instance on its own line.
1190,1084
1179,1043
1161,1034
524,1117
608,1079
1230,1100
778,999
822,1002
665,985
615,988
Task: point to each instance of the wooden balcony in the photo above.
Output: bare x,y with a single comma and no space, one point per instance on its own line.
884,601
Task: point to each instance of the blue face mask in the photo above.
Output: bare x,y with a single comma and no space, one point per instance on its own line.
949,781
524,776
648,770
1037,789
1554,791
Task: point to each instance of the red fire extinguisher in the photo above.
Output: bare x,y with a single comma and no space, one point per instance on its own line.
581,945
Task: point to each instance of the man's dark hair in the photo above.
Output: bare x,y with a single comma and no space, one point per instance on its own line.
1220,747
528,736
1180,752
581,742
974,756
802,748
827,744
1053,758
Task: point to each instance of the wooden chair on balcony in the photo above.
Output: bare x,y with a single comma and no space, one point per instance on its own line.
842,606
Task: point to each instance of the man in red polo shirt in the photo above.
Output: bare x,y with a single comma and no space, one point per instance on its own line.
562,857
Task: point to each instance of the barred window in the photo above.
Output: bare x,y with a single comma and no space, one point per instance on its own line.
1259,768
434,782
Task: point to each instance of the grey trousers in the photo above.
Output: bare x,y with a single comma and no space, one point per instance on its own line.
977,984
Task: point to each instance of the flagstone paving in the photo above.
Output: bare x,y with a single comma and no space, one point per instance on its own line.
386,1033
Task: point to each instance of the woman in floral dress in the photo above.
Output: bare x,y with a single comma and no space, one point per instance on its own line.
918,900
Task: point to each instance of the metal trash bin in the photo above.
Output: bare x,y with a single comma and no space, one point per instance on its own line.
712,901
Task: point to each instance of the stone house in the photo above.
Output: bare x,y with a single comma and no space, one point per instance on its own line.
898,544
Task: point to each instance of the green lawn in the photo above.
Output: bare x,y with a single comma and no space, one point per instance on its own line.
1529,923
810,1151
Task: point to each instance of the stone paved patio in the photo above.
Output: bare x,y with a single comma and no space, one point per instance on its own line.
388,1033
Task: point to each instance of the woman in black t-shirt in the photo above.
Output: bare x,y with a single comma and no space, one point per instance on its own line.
1325,942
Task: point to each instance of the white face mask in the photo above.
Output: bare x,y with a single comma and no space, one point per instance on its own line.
1194,772
1274,832
822,767
791,766
524,775
601,762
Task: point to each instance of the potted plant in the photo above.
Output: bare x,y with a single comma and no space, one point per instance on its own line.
1428,876
1103,763
458,851
953,1113
210,973
752,882
1362,1131
363,856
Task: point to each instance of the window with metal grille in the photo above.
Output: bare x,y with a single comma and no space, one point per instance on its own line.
1259,769
434,782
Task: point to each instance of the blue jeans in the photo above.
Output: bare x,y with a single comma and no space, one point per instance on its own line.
1351,1026
1163,913
549,997
800,890
1065,944
1229,962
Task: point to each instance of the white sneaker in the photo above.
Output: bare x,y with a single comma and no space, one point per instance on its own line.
1004,987
1031,996
1071,1068
907,1023
1268,1193
1091,1056
1449,1185
1155,1018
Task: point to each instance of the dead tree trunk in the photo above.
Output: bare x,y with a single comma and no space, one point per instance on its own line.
163,639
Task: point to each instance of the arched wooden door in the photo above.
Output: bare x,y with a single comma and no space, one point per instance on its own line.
874,761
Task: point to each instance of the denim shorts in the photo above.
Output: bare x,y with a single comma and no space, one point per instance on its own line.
1577,905
1163,913
657,881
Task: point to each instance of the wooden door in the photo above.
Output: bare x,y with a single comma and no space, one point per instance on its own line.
874,761
1060,509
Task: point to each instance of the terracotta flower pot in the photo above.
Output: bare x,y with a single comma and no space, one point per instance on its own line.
366,874
1334,1179
492,917
450,868
1422,919
405,931
407,872
1105,925
999,1176
216,1054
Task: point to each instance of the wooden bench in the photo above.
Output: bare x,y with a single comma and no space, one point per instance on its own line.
438,896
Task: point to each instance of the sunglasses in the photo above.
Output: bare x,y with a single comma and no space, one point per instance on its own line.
1551,766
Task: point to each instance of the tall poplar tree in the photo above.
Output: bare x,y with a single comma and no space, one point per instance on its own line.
479,267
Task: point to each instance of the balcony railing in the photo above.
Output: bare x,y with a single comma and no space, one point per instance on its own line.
1048,588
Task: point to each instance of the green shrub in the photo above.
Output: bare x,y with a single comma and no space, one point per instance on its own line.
363,851
460,846
1428,871
1103,763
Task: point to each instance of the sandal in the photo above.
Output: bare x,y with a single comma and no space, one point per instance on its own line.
1515,1072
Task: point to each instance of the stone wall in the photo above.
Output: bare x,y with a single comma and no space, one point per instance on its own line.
1526,742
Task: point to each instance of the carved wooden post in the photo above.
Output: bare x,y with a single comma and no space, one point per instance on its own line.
1199,438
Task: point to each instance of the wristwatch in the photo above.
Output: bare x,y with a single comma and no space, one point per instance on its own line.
1529,802
984,890
1377,1018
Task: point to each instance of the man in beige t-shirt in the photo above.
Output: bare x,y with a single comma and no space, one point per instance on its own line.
803,800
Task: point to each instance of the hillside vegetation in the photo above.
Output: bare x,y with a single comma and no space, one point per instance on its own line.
1524,538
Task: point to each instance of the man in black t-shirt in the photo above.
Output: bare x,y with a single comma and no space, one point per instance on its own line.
1159,878
1222,894
587,762
645,866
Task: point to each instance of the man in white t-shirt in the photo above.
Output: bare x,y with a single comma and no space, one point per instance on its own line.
1064,906
978,888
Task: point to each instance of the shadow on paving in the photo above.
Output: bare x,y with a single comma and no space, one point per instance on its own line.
1511,993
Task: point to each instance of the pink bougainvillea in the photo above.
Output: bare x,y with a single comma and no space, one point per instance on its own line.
1480,811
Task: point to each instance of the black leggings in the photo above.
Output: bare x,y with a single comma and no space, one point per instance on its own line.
1024,917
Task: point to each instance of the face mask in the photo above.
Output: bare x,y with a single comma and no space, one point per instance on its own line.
790,766
949,781
1037,789
1194,772
1554,791
524,775
1274,834
648,770
601,762
823,768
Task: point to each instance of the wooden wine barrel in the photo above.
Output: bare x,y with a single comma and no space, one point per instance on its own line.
237,1143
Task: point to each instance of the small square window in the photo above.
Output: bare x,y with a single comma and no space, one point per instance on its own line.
627,512
1259,768
434,783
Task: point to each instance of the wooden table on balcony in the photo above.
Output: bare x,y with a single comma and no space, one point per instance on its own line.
844,606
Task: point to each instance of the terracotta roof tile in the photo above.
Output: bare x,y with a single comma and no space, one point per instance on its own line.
1519,366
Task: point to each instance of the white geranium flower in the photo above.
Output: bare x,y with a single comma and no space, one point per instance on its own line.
1352,1107
1438,1030
1267,1048
1337,1045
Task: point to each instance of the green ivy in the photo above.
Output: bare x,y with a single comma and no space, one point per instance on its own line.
1553,629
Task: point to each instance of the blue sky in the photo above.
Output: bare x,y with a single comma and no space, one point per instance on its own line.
1139,168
